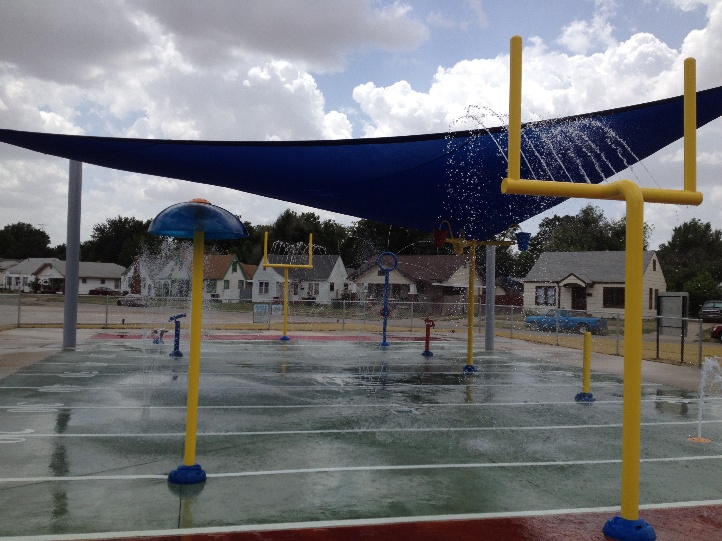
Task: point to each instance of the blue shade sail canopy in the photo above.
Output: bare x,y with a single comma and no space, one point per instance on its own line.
409,181
182,220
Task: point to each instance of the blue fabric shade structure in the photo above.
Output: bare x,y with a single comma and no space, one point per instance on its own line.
182,220
409,181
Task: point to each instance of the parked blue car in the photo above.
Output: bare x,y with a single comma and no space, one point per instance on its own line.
567,321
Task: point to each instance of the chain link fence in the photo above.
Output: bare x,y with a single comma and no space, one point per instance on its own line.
675,340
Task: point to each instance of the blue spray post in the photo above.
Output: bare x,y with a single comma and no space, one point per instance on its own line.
176,336
385,310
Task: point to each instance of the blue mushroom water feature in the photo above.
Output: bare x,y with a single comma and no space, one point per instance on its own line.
197,220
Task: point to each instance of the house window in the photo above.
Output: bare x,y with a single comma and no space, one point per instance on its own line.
546,296
84,280
330,286
226,284
380,273
651,298
234,267
25,281
240,284
613,297
263,288
654,264
295,288
102,281
313,288
210,286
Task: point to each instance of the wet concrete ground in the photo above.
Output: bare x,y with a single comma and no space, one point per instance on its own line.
320,432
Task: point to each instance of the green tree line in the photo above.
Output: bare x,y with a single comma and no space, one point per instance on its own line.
691,260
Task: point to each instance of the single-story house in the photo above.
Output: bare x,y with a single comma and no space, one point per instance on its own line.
5,264
441,279
51,276
589,281
20,276
325,282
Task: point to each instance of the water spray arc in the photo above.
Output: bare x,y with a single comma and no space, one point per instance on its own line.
286,267
628,525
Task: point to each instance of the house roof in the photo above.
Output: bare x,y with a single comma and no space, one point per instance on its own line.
7,263
87,269
592,267
249,270
216,266
30,265
423,268
323,265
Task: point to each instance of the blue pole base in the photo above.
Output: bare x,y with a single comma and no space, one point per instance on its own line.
622,529
427,353
584,397
175,353
284,338
384,344
187,475
469,369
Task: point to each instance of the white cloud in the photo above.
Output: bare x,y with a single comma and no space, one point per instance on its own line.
314,35
245,71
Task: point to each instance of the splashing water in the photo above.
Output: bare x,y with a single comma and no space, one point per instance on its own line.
710,381
582,150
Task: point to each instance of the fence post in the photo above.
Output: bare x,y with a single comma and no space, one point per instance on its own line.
106,311
343,315
20,296
658,318
557,328
699,346
511,323
270,313
616,329
681,336
411,316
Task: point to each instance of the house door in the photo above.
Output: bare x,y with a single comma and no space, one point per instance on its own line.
579,298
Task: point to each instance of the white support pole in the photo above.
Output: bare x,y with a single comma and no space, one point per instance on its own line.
72,255
490,296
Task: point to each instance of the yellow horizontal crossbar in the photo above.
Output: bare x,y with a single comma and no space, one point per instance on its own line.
596,191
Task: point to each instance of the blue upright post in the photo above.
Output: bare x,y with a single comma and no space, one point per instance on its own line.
176,336
385,309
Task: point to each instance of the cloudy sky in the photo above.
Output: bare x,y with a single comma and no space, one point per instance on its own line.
322,69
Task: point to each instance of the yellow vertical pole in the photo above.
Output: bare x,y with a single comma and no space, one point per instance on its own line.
194,362
587,364
690,125
514,144
632,406
470,307
285,301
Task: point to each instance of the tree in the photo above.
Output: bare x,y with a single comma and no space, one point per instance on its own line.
692,261
118,240
366,239
701,287
21,241
588,231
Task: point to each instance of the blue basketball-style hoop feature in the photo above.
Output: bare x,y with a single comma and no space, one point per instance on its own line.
385,310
